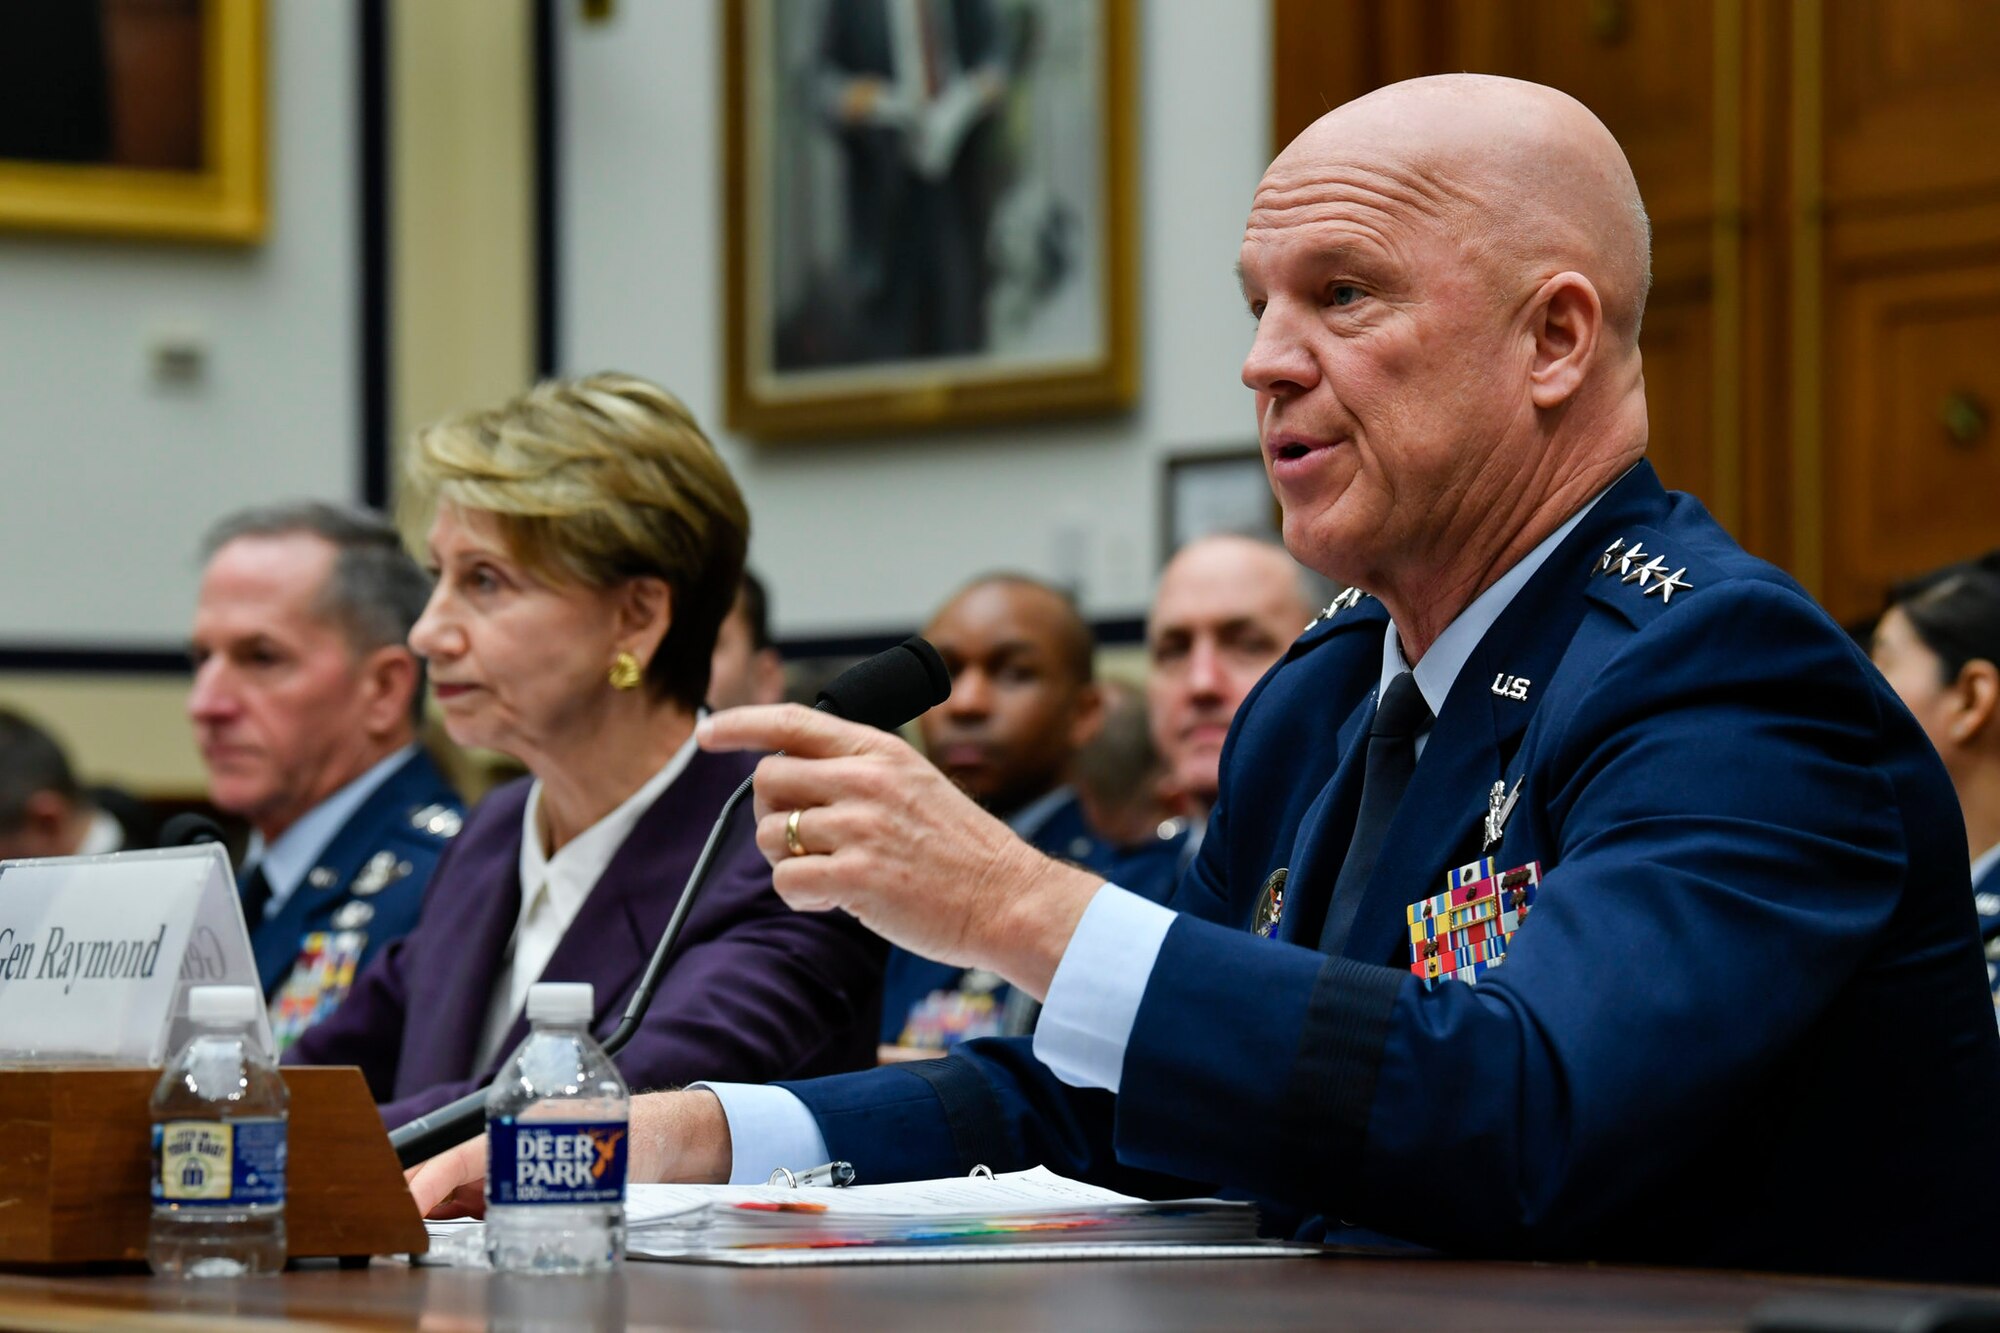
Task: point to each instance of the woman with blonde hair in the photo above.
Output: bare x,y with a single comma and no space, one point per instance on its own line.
588,542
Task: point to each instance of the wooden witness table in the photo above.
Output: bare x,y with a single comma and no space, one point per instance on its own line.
1336,1292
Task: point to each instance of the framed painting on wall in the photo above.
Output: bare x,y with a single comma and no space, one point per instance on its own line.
929,212
133,117
1223,490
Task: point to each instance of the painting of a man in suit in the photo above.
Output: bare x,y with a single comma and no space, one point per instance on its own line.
927,201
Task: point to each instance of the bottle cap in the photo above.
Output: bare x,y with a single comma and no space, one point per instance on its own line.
224,1004
561,1001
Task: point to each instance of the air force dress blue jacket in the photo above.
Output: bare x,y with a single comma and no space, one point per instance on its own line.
1745,1023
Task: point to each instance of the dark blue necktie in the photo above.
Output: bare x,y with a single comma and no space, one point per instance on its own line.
256,891
1392,757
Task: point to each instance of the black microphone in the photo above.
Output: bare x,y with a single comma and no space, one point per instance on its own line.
883,691
890,688
188,830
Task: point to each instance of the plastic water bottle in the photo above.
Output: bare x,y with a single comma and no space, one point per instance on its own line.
556,1128
219,1146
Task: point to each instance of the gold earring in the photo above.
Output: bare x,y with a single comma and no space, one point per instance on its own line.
624,672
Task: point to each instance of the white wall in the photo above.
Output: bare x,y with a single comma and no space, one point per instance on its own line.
107,478
860,535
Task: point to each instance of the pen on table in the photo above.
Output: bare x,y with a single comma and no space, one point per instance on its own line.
834,1175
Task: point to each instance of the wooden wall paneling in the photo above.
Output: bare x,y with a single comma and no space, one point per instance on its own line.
1682,370
1911,441
1323,53
1912,100
1906,222
1765,252
1804,339
1723,483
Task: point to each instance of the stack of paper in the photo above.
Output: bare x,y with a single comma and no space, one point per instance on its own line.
1026,1214
1034,1206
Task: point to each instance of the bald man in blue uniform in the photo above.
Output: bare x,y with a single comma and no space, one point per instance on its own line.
1706,986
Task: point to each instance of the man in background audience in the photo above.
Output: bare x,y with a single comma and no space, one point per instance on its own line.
746,669
1225,610
1122,783
305,704
1024,700
44,811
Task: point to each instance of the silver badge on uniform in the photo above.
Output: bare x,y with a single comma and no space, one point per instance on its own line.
1500,804
382,870
353,915
1271,904
439,821
323,877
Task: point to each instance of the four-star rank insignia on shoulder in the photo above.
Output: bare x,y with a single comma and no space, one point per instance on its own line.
1464,931
1635,564
1345,599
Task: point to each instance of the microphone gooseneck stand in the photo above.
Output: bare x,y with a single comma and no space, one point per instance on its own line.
883,691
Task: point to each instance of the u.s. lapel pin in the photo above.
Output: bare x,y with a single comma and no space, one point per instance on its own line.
1499,805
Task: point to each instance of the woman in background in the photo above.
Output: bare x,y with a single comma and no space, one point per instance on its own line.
588,542
1938,644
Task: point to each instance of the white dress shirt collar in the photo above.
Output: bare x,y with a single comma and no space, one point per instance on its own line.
554,888
103,836
1439,669
576,866
1984,862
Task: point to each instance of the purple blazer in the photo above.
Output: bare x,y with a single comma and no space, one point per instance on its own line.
755,992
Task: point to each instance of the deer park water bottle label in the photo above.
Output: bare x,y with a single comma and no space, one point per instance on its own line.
555,1162
219,1163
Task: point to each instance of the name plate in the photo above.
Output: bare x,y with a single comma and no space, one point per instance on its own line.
97,952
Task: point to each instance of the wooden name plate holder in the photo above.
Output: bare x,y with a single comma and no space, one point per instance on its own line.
76,1166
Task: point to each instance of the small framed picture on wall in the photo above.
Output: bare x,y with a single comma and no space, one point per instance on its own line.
1220,491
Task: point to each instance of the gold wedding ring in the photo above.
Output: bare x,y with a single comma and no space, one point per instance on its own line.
792,843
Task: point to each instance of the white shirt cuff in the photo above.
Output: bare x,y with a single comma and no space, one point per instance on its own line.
768,1128
1094,999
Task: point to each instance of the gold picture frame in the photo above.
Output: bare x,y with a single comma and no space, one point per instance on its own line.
877,282
220,200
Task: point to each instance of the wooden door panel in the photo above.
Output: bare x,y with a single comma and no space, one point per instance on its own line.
1912,99
1676,344
1913,452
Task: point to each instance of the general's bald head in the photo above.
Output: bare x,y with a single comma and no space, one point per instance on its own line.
1447,277
1526,176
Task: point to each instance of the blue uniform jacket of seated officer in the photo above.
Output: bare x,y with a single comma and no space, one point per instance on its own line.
381,856
1744,1025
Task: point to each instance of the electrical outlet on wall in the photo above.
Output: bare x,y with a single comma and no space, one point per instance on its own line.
177,356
